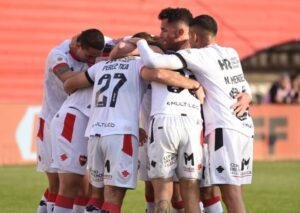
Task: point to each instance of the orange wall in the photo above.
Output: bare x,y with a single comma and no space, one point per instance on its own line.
30,28
17,133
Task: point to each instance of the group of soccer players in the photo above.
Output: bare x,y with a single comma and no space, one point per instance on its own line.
104,119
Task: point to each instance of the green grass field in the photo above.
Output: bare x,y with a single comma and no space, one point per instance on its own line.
275,188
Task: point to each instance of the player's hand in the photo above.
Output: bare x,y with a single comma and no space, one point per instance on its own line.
243,101
142,137
200,94
133,40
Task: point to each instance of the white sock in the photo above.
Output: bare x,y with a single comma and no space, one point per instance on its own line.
201,207
43,203
213,205
79,205
63,204
150,207
177,210
78,209
51,202
50,207
59,209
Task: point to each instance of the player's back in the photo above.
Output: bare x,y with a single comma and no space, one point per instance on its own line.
219,70
54,94
117,94
174,100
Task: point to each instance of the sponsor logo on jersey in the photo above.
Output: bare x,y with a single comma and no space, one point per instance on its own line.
96,175
169,160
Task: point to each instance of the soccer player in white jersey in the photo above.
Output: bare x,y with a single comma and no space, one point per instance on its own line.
69,149
229,132
175,36
113,125
62,62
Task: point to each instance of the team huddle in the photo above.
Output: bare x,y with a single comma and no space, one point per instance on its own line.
171,109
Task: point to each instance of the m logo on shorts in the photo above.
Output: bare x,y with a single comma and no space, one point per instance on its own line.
82,160
188,158
107,166
245,163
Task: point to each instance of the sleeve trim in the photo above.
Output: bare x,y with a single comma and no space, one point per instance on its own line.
88,77
181,59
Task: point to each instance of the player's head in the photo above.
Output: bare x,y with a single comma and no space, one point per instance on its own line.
174,26
89,45
153,42
203,31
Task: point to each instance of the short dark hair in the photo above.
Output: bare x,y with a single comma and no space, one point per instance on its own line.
175,15
206,22
143,35
91,38
151,40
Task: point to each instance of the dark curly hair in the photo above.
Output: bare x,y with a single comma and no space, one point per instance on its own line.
174,15
91,38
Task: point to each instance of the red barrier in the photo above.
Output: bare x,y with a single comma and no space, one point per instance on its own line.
277,136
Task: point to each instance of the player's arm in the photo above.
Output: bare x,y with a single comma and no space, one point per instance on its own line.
172,78
78,81
244,99
63,72
152,59
123,49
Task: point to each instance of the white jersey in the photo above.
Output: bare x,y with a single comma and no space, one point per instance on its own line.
80,100
174,100
117,94
54,94
146,109
219,70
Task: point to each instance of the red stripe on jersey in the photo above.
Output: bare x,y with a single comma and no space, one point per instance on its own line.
59,65
67,132
65,202
202,137
127,145
41,129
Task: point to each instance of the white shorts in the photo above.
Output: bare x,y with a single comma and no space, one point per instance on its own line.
69,146
230,157
113,160
174,147
44,147
143,165
205,178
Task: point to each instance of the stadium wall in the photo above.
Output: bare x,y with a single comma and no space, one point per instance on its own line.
276,138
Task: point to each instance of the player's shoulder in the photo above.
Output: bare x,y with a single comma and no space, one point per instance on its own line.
229,50
58,51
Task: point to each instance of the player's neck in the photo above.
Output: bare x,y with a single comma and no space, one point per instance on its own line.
182,45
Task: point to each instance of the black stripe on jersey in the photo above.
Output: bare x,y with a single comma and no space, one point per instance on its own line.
88,77
218,138
203,120
151,136
181,59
